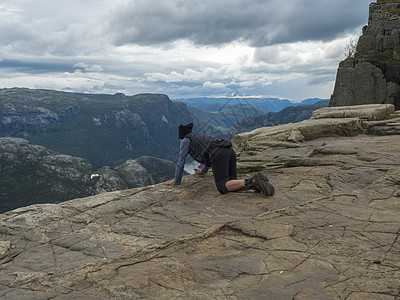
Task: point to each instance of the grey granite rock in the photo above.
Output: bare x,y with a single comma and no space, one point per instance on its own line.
373,74
331,231
371,112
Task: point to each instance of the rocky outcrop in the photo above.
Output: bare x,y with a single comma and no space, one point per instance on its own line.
373,74
372,112
31,174
271,147
331,231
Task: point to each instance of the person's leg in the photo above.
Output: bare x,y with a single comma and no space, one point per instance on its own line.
220,158
238,185
235,185
232,165
259,182
224,170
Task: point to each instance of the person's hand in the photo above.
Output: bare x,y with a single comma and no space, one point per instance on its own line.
169,182
198,171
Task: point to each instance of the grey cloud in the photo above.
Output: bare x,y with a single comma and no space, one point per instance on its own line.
257,22
67,45
35,66
51,27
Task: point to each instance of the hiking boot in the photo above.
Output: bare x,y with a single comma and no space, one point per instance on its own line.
269,188
257,184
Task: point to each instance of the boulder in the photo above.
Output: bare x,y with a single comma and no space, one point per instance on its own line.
372,112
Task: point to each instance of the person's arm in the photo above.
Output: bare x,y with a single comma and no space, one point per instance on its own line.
183,151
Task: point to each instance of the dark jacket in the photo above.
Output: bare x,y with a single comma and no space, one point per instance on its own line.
202,145
199,148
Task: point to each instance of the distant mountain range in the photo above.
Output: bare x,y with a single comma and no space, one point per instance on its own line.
216,116
262,105
290,114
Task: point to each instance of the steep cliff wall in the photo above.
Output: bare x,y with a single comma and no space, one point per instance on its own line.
373,74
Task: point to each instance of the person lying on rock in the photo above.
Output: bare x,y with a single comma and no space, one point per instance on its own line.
218,154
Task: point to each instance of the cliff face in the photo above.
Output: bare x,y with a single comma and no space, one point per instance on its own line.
331,231
373,74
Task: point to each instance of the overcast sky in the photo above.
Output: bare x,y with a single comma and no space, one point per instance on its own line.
182,48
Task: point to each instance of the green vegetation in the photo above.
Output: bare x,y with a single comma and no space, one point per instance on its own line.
31,183
384,57
388,1
242,171
256,168
260,166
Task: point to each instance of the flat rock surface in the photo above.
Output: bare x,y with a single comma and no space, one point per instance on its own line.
331,231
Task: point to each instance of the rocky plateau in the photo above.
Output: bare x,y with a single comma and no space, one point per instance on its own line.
331,231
